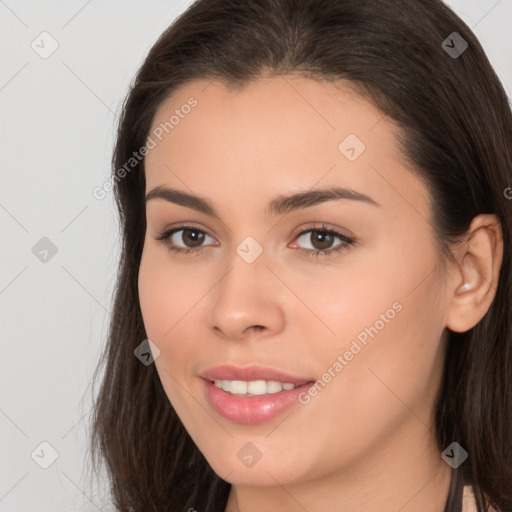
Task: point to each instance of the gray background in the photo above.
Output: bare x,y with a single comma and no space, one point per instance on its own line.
58,118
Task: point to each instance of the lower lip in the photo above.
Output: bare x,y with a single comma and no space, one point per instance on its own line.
252,410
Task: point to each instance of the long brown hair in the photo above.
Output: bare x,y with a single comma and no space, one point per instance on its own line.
457,135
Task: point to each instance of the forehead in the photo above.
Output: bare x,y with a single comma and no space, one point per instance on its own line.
282,108
276,134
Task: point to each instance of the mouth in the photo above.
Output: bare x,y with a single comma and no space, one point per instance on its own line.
255,387
252,395
235,378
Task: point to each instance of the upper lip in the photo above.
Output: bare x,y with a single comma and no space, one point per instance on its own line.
251,373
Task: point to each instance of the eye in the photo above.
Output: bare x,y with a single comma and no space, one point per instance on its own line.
322,239
191,236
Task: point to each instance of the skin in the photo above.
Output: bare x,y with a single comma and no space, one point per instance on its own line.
366,441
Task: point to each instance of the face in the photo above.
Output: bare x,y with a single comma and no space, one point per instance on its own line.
340,294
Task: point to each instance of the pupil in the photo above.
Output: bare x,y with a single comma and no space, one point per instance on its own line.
195,237
323,237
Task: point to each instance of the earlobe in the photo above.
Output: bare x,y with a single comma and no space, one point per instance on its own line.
477,273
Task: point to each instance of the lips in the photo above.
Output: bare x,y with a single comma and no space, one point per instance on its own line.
252,373
252,410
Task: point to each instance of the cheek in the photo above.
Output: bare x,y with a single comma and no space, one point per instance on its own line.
388,319
165,294
165,299
390,348
171,300
389,382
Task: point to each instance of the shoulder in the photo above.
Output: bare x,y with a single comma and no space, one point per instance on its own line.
469,501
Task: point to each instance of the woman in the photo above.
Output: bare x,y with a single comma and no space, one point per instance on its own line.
243,375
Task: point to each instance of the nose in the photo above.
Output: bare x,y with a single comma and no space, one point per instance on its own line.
248,299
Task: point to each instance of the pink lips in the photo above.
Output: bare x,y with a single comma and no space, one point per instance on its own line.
251,409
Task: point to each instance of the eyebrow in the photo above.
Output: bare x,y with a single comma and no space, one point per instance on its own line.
278,206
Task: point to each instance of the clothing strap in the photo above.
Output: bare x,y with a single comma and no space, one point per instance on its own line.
461,477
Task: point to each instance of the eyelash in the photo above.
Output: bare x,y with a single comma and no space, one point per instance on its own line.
345,246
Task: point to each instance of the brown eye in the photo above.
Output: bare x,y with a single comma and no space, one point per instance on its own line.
183,239
191,237
322,240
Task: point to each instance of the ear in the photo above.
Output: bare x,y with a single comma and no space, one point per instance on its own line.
474,279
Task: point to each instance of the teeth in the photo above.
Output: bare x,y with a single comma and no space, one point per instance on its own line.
254,387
